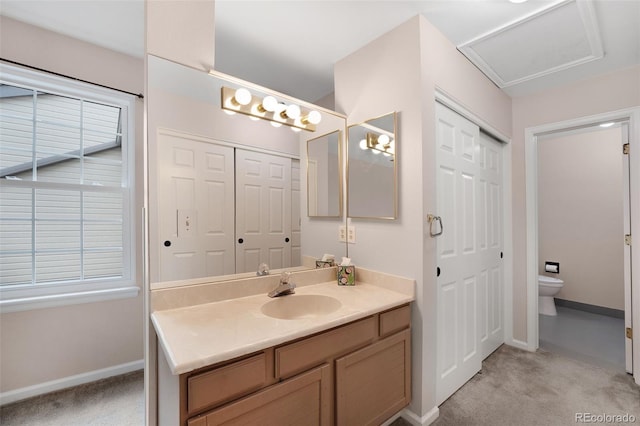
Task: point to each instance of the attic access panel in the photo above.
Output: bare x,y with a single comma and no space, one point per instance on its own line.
551,40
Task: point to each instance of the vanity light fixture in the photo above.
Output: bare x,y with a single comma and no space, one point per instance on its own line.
268,104
268,108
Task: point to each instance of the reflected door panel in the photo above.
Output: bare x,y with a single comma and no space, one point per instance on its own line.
296,236
263,211
195,208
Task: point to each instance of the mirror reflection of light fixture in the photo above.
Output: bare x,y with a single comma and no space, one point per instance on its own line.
268,108
378,144
242,96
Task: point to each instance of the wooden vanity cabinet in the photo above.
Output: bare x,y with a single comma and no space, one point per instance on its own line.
355,374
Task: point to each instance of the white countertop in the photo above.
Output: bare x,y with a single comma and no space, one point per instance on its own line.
196,336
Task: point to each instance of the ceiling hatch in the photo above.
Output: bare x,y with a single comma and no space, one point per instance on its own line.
550,40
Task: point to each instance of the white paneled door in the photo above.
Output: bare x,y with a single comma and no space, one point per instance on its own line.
263,211
195,208
469,283
296,222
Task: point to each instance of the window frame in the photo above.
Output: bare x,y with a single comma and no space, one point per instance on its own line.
60,293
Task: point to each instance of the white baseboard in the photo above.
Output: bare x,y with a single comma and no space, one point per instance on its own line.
67,382
425,420
519,344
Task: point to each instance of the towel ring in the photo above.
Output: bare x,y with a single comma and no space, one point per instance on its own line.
432,219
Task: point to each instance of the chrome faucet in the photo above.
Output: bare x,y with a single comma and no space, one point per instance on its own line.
285,287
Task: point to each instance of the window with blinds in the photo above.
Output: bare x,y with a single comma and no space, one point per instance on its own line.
65,191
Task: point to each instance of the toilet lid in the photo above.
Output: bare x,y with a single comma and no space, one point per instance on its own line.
549,280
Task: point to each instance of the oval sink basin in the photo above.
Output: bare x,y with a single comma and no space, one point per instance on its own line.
299,306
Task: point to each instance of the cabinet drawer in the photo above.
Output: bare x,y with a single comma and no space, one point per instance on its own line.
308,353
226,383
302,400
395,320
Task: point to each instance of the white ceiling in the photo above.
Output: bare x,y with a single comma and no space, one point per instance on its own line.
291,45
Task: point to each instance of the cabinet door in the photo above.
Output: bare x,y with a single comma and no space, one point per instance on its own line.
374,383
302,400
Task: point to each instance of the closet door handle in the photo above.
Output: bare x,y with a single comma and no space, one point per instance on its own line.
286,240
240,241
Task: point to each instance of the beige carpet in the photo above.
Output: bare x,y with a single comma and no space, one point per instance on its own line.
523,388
117,401
515,388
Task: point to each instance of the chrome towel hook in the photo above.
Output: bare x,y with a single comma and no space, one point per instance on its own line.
432,219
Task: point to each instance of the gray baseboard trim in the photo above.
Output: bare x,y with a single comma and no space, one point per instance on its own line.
600,310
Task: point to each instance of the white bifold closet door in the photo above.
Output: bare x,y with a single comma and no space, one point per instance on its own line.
469,252
195,208
263,211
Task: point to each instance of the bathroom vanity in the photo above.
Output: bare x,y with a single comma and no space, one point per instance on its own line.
326,355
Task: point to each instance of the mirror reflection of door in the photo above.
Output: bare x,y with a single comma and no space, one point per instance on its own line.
206,229
263,211
196,208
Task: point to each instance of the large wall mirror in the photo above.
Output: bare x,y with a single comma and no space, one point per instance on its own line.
324,183
372,169
227,186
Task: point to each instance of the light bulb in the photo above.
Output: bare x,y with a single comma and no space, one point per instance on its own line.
363,144
242,96
383,139
292,111
295,129
314,117
276,124
269,103
386,154
375,151
229,112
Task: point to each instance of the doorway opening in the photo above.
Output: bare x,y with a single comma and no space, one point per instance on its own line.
583,212
628,120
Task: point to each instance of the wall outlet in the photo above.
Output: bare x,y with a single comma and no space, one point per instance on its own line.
351,234
342,233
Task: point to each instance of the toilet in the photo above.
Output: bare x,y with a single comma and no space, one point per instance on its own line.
547,288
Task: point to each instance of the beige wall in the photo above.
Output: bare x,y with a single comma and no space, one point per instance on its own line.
580,217
182,30
609,92
48,344
401,71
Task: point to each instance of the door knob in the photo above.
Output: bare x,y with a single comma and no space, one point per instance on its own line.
240,240
167,243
